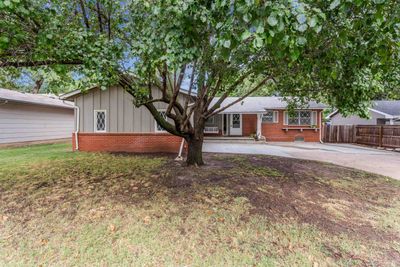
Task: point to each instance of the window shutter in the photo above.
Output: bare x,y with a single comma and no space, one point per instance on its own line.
285,118
314,118
276,117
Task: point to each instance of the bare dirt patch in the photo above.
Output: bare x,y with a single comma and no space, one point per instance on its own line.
338,200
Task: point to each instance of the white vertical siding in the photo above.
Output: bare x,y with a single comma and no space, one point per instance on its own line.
21,122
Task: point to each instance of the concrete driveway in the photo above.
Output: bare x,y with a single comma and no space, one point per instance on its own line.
363,158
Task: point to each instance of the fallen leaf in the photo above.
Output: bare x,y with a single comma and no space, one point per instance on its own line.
147,219
112,228
3,218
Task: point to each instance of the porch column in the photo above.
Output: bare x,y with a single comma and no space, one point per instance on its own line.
223,124
259,125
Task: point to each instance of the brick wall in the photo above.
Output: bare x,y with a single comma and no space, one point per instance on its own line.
249,122
274,132
128,142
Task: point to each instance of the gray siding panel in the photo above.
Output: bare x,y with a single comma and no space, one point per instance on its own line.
339,119
122,116
88,112
120,103
113,110
105,105
25,122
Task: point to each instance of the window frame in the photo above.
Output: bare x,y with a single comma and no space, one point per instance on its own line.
95,120
156,123
275,117
299,118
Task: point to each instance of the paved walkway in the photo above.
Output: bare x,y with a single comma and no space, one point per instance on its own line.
363,158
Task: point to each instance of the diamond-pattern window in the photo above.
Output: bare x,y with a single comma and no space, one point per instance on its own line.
100,116
235,120
305,117
159,128
299,117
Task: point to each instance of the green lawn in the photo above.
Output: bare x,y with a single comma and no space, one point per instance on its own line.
63,208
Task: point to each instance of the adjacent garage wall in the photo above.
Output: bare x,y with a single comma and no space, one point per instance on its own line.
20,122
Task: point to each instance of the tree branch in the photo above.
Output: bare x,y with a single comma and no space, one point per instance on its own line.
208,114
85,19
99,16
20,64
190,86
227,92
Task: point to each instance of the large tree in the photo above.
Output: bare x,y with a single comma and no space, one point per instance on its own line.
339,52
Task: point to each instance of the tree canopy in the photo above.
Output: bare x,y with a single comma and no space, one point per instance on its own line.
341,52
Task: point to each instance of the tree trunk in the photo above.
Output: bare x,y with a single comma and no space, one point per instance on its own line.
195,150
195,140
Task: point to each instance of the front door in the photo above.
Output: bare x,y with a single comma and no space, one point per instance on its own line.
235,124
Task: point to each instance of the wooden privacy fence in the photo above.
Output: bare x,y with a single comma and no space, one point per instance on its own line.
374,135
338,134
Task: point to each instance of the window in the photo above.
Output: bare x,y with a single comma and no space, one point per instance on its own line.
301,117
159,128
211,120
99,121
270,117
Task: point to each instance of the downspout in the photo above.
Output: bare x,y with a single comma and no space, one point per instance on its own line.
179,157
76,128
320,127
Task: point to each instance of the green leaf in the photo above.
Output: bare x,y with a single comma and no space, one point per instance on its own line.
7,3
334,4
4,42
294,55
271,33
272,20
245,35
313,21
301,18
246,17
258,42
260,28
301,41
281,26
227,44
334,74
302,28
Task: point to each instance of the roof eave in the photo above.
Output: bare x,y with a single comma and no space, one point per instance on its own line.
39,104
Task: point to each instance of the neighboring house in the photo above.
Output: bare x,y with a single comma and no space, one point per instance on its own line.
381,112
28,117
108,121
